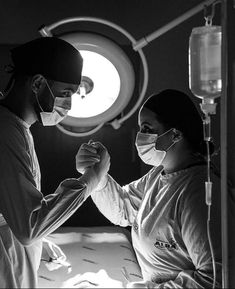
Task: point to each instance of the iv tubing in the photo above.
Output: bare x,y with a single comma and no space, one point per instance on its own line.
208,189
208,186
211,247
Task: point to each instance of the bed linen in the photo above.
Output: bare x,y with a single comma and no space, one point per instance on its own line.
91,249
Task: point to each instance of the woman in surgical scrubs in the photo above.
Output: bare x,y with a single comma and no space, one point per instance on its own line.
166,207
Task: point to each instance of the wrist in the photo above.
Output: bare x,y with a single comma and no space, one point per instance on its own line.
89,180
102,183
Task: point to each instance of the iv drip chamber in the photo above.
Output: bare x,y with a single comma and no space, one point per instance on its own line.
205,62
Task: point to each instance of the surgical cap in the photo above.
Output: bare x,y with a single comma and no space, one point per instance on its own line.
175,109
52,57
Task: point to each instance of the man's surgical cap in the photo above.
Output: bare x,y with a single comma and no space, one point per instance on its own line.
52,57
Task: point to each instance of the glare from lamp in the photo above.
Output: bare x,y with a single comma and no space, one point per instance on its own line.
106,88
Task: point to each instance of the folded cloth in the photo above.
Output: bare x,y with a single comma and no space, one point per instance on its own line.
53,256
53,264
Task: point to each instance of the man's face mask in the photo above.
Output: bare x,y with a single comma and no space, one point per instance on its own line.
145,144
60,109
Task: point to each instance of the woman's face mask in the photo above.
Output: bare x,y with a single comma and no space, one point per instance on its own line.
145,144
60,109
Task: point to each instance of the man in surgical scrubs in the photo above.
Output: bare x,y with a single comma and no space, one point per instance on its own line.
166,207
46,72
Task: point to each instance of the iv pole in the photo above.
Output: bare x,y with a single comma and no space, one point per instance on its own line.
224,141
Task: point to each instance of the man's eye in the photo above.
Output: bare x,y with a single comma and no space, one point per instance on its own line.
67,94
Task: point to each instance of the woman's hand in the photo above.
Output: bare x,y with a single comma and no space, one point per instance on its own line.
93,161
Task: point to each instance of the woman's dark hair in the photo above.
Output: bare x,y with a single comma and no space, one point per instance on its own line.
175,109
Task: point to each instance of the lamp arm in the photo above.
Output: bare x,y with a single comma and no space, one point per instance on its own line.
147,39
46,30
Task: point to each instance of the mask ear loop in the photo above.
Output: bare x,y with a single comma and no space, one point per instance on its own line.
176,140
173,142
50,93
171,145
49,89
165,132
36,96
177,135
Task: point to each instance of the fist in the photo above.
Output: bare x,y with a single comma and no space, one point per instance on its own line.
86,157
93,161
102,167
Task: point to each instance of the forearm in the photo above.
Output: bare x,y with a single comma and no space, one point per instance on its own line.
56,208
114,202
28,213
52,211
32,216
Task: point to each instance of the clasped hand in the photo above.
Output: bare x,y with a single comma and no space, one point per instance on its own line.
93,159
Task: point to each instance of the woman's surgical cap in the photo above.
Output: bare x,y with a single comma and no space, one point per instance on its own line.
175,109
52,57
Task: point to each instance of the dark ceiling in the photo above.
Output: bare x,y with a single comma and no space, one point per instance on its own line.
20,19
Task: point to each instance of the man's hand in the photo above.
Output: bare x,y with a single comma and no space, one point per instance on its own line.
86,157
93,161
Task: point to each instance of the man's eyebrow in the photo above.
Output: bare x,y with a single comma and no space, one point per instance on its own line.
70,89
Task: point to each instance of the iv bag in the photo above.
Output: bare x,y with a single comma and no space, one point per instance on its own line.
205,62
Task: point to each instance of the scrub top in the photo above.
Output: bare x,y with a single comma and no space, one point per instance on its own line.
168,215
26,216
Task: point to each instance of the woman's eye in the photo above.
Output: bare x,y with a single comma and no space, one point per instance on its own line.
146,130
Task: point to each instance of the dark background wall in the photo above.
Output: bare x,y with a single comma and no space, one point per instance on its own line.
167,59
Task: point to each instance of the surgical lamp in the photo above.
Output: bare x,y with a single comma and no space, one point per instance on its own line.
116,83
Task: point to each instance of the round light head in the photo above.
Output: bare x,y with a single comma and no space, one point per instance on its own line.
107,82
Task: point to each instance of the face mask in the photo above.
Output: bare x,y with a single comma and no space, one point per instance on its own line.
145,144
60,110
